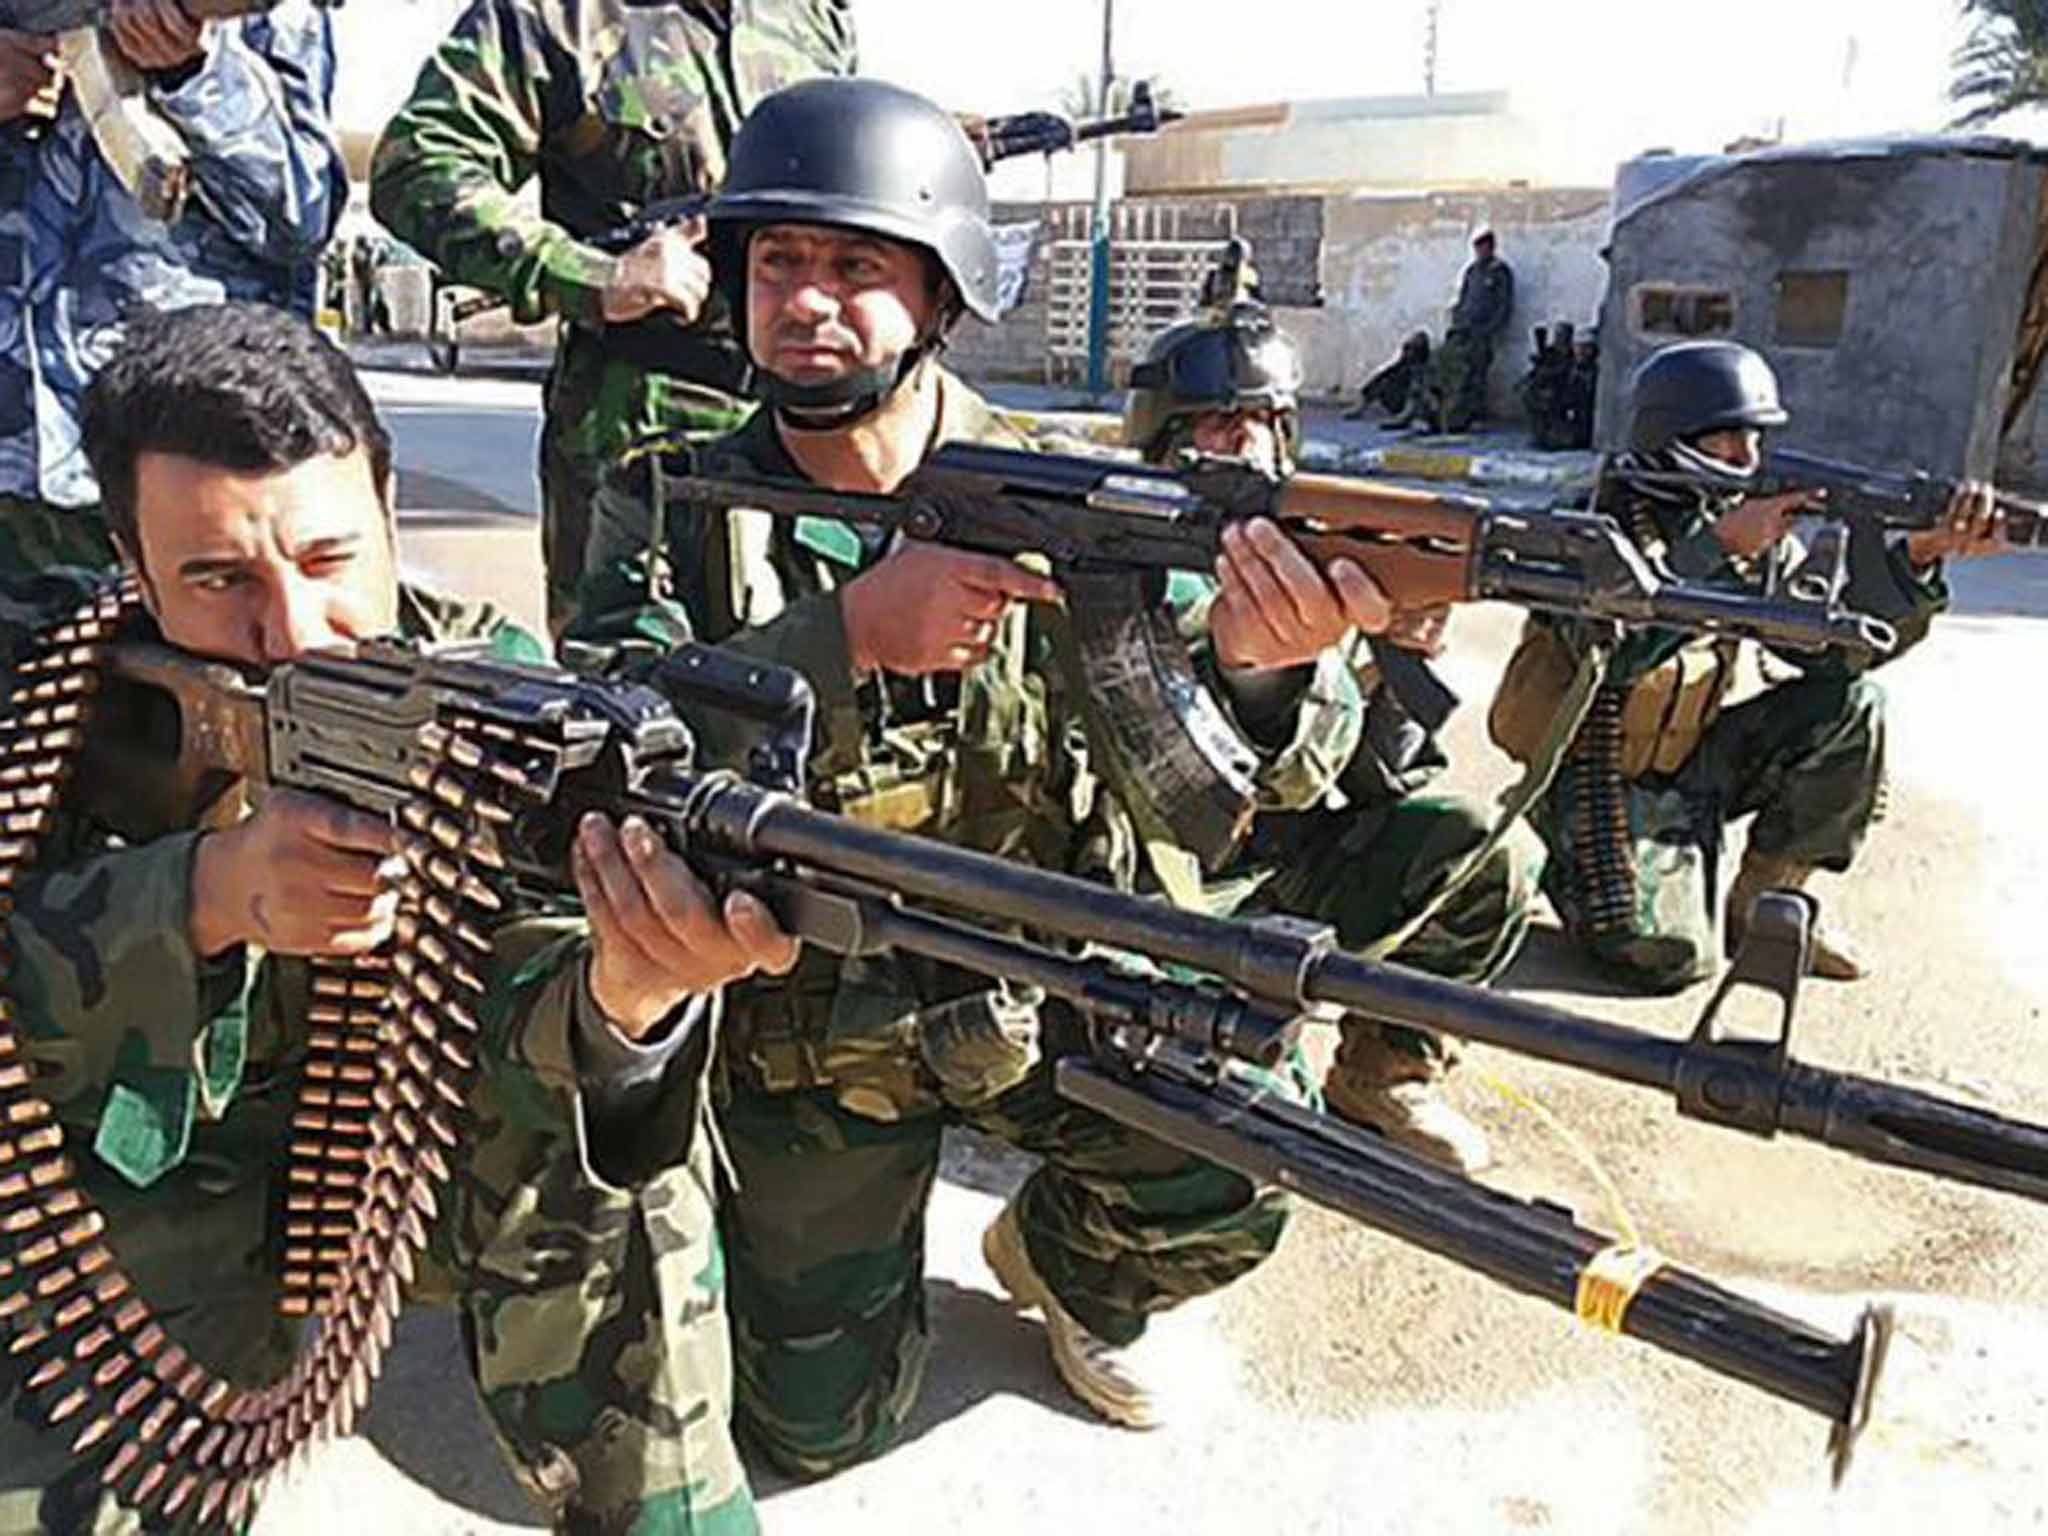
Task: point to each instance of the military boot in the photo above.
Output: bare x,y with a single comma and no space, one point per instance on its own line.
1394,1092
1829,956
1107,1377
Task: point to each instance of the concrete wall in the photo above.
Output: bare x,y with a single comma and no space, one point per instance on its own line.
1937,251
1387,264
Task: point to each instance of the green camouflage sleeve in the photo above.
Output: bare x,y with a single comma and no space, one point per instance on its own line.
545,1083
130,1028
448,168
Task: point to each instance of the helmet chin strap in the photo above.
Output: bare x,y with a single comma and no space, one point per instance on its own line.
845,402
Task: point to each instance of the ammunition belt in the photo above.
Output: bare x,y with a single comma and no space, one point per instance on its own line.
382,1107
1604,859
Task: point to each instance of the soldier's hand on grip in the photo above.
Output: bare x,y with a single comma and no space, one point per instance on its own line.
1277,609
303,876
657,936
925,608
1971,526
668,270
30,85
1761,521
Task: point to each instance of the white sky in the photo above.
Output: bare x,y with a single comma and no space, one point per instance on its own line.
1627,74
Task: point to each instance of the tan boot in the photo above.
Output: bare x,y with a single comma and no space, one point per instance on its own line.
1829,957
1415,1117
1105,1376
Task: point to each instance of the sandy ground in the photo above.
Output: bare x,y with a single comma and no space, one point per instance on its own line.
1355,1384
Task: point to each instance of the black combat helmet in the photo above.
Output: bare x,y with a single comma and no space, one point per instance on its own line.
1697,387
1239,362
866,156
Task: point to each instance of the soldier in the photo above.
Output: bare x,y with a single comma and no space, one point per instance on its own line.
1396,388
1486,301
1230,385
249,101
1635,818
248,485
615,105
852,233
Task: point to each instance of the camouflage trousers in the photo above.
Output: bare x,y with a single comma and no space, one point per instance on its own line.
35,535
591,1316
1367,872
1806,758
1460,369
825,1229
595,409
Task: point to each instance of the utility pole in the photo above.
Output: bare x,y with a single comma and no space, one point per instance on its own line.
1435,12
1098,269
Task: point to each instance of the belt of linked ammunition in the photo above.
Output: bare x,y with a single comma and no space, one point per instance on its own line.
1600,826
381,1108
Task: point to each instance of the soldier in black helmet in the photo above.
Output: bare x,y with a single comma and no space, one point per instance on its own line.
851,236
1229,385
1635,819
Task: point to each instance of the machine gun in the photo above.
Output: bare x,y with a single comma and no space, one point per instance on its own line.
144,151
485,768
1112,531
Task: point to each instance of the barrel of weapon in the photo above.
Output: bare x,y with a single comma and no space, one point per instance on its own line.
390,1062
1906,499
1748,1086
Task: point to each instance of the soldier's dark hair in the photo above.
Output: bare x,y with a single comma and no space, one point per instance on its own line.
240,386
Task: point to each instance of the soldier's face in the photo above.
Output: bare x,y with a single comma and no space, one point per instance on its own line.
823,303
1738,447
1253,436
260,568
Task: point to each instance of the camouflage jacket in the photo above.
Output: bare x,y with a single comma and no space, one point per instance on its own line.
1486,299
613,105
143,1047
998,759
76,252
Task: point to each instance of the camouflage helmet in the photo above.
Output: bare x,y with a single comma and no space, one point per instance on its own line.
865,156
1240,362
1694,387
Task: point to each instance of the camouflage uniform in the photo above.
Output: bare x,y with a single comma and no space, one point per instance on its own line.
577,1239
840,1079
76,252
616,106
1486,300
1805,756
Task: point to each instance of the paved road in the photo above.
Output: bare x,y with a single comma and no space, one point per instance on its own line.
1354,1384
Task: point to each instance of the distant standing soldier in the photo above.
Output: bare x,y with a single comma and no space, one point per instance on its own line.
1486,301
614,105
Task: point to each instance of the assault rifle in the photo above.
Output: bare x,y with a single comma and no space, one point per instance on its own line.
486,768
144,151
998,139
1892,499
1112,530
1857,494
